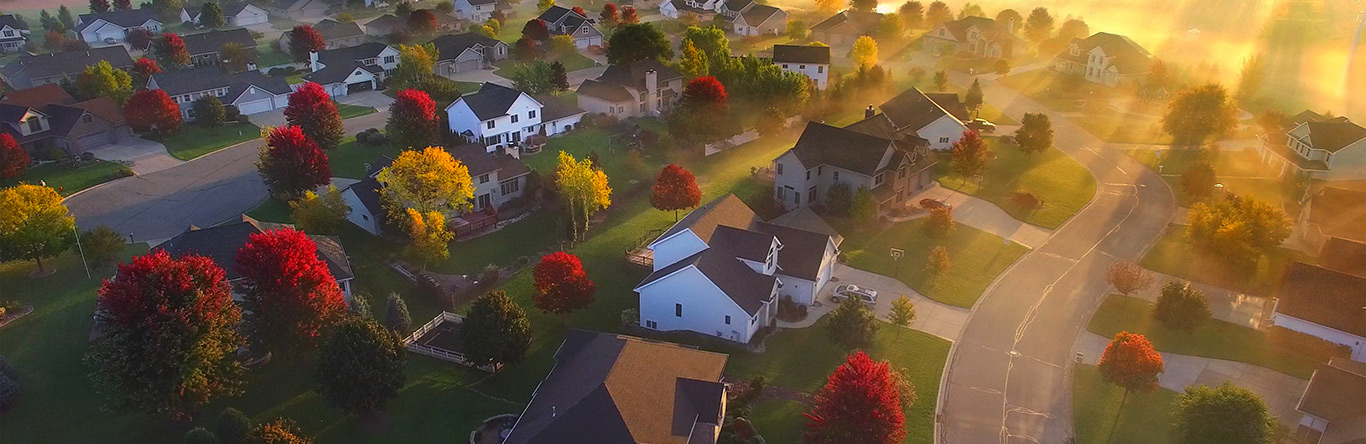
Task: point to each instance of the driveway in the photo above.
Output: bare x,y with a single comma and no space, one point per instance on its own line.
374,99
203,192
142,156
986,216
931,316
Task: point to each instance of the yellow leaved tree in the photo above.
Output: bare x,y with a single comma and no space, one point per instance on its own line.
34,223
430,237
583,188
864,52
427,181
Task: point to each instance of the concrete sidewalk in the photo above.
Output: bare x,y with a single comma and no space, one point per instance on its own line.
1280,391
931,316
986,216
1227,305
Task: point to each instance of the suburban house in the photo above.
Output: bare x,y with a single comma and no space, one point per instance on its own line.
250,91
636,89
748,17
358,68
868,154
564,21
846,27
46,116
468,52
388,24
302,9
938,118
703,10
498,178
238,14
1344,255
477,11
1332,404
1104,58
979,36
1332,212
111,28
1323,148
498,116
336,35
31,70
220,243
1325,303
721,270
810,61
13,33
607,388
204,47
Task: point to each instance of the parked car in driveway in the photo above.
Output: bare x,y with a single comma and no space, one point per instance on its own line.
930,204
982,125
867,295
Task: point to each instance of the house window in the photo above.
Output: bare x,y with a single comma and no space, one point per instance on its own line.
901,174
820,69
877,180
811,194
678,310
511,186
489,125
388,59
727,319
514,118
820,170
778,168
837,176
651,325
784,66
808,174
34,125
943,140
484,178
87,118
531,114
9,33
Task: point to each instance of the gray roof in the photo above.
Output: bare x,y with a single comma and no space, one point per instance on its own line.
617,389
632,75
192,80
703,220
220,244
450,46
819,55
842,147
332,29
480,162
213,41
803,251
602,90
913,109
850,22
1334,134
554,108
67,63
561,20
758,14
126,19
339,63
12,21
491,101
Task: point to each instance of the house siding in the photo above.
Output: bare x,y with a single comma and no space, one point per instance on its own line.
1356,343
359,214
676,248
705,307
818,73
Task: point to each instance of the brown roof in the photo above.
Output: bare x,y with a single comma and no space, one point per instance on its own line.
1326,297
38,96
619,389
1128,56
726,210
1344,255
1337,391
103,107
1339,212
481,162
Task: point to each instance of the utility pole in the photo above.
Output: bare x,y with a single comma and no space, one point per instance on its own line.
82,250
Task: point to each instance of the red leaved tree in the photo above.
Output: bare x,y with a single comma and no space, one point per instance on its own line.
675,189
99,5
143,69
151,110
54,40
1130,362
609,15
303,39
170,335
421,21
628,16
290,296
536,29
412,120
123,5
292,164
171,49
13,159
312,109
705,92
579,10
860,402
140,38
561,284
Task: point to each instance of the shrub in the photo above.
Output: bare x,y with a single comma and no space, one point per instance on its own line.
939,223
200,435
1026,200
839,199
1182,307
232,426
9,392
102,245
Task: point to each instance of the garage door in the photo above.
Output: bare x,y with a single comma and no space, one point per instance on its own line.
362,86
468,66
92,141
255,106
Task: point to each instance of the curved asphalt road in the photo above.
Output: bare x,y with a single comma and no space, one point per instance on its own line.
1008,378
205,191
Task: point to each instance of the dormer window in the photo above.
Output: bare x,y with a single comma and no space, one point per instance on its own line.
9,33
35,124
87,118
1076,51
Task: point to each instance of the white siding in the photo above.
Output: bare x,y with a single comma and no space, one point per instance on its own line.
1357,343
817,73
705,307
943,133
359,214
676,248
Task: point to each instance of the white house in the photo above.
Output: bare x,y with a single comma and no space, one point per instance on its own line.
721,271
302,9
358,68
1319,147
703,10
111,28
1325,303
979,36
498,116
220,243
13,33
1104,58
1332,404
250,91
499,178
748,18
810,61
636,89
564,21
939,118
867,154
478,11
241,14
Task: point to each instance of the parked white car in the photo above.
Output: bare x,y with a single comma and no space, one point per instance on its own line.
867,295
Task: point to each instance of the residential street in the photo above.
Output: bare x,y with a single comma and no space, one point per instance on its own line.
202,192
1008,379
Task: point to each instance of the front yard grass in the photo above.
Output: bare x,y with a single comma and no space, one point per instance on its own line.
193,140
349,111
1214,339
779,421
1241,172
349,159
1146,418
1174,254
978,257
68,181
572,62
1063,184
268,56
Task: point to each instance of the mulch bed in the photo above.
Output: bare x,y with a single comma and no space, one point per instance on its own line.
11,317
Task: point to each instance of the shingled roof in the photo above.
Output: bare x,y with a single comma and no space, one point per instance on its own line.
12,21
332,29
220,243
632,75
1127,56
1334,134
213,41
127,19
618,389
185,81
338,64
1344,255
450,46
491,101
812,54
41,66
1336,391
1326,297
914,109
852,150
850,22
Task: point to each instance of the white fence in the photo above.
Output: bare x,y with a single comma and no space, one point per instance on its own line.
742,138
412,345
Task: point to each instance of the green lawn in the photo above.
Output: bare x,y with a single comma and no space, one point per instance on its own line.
1214,339
530,238
70,180
349,111
193,140
1063,184
267,56
780,421
978,257
1241,172
1173,254
272,210
1146,418
572,62
350,157
468,87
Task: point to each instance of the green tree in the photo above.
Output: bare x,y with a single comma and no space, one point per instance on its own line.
542,5
1182,307
102,245
359,306
415,64
35,224
1198,181
912,13
1198,113
941,80
200,435
903,312
64,16
864,52
102,79
533,78
236,58
852,325
1035,134
320,214
584,189
938,263
396,315
209,112
1039,25
1222,415
713,44
559,78
360,367
211,16
863,5
939,223
1237,229
232,426
974,98
496,330
891,27
428,238
692,62
839,199
638,41
971,10
1250,79
864,206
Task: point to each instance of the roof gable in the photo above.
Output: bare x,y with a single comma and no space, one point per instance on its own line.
801,54
822,144
1326,297
492,101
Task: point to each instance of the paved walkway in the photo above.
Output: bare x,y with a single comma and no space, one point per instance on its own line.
1280,391
142,156
986,216
931,316
1227,305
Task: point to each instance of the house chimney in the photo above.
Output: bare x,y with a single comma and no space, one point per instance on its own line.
1010,26
868,113
651,90
313,60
